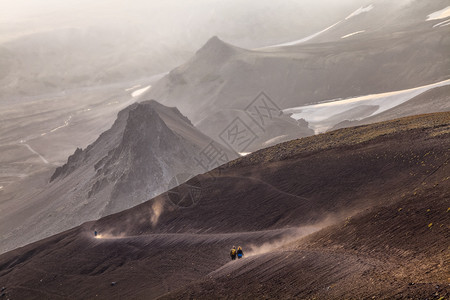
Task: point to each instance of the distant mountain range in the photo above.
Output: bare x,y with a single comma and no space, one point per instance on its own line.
381,47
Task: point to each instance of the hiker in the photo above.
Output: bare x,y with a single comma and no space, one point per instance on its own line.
233,253
95,233
239,252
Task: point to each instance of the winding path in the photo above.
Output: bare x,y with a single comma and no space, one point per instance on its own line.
35,152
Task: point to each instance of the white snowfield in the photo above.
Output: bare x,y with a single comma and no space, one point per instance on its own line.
318,115
352,34
360,11
310,37
442,24
137,89
139,92
440,14
244,153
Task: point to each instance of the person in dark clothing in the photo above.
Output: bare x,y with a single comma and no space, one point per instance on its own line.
233,253
239,252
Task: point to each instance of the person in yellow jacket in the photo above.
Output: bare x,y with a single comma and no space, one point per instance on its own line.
233,253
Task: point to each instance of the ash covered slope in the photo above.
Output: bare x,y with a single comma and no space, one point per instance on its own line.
406,52
262,199
396,249
147,146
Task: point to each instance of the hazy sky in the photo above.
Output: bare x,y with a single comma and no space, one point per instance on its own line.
23,16
68,42
21,9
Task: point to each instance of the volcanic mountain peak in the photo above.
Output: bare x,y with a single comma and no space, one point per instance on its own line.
215,49
145,126
167,111
138,155
138,124
142,159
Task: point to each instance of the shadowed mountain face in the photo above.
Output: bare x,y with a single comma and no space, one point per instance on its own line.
148,146
405,52
376,197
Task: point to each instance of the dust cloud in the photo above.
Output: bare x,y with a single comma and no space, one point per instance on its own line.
155,212
292,236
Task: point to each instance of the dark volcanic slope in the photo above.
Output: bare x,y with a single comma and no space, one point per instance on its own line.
399,251
396,251
136,159
375,183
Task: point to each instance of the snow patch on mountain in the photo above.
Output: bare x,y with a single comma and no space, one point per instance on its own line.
310,37
321,116
440,14
442,24
352,34
360,10
244,153
139,92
